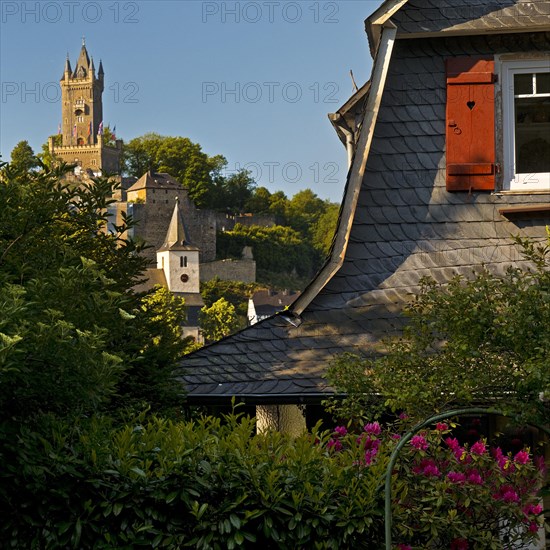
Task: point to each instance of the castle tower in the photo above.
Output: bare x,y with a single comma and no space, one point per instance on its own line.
179,259
82,119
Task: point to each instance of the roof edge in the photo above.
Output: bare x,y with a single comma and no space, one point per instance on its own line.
377,20
355,175
313,398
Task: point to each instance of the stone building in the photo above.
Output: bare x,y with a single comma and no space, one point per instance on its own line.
82,120
178,270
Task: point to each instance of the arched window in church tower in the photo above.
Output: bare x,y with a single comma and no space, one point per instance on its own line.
183,261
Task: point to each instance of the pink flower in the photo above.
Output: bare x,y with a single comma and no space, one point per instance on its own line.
370,455
533,527
427,467
404,547
452,443
373,428
340,431
456,477
478,448
522,457
431,470
475,478
334,444
419,442
459,544
532,509
403,416
441,427
507,494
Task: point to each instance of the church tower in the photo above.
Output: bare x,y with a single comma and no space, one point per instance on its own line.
82,119
179,259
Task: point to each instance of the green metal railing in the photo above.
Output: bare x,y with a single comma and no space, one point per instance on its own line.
394,456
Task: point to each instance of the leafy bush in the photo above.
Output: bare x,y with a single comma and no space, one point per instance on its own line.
215,484
278,249
204,484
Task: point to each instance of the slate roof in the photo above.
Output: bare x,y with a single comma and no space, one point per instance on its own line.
177,236
472,16
405,226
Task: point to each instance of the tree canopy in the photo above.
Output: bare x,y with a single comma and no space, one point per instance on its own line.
73,335
23,158
218,320
180,157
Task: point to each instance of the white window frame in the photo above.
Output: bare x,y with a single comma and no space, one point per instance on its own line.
511,180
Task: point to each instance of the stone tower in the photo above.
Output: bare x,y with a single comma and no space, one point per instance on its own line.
82,120
179,259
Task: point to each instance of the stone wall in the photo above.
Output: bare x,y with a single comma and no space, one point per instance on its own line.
153,220
229,270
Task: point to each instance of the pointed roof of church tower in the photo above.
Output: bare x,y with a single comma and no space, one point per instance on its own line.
176,237
83,61
100,70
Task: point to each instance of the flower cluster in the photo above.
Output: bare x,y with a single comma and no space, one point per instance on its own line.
445,492
471,484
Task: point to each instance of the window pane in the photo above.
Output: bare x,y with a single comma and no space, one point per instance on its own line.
543,83
532,135
523,84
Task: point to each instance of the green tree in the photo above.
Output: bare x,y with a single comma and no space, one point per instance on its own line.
218,320
232,193
324,228
483,340
277,249
72,331
178,156
46,156
23,158
259,201
304,210
108,137
278,206
236,293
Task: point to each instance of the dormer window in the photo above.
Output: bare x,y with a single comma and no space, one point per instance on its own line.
526,124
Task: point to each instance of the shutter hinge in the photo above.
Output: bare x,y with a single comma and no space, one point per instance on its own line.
497,168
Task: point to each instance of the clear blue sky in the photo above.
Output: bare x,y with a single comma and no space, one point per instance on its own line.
253,81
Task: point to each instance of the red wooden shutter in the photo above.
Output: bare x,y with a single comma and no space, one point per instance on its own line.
470,124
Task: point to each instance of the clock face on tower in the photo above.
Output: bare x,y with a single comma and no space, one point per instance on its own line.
184,278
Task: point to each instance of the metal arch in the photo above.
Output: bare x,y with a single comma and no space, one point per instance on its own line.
409,435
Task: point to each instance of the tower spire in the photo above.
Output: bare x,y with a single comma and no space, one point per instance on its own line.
177,237
68,65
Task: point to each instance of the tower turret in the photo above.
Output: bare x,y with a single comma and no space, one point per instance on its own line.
179,258
68,70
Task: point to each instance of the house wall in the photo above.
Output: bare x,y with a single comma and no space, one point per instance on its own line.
407,226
